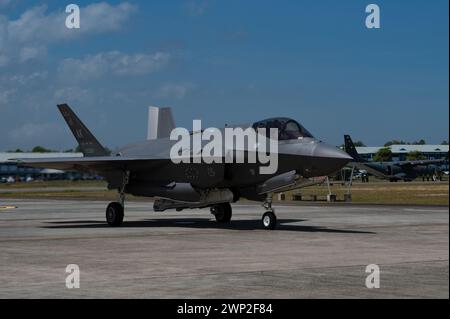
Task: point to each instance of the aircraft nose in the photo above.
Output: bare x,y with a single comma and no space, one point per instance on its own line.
332,153
327,159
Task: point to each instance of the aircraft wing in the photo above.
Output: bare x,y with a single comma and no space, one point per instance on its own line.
406,164
92,164
369,169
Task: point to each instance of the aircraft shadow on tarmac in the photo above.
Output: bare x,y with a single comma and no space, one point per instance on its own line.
201,223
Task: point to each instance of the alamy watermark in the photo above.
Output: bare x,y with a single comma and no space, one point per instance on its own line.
73,277
73,17
373,279
373,20
233,145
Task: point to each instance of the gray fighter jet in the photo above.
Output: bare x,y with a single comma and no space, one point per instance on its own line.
393,171
146,169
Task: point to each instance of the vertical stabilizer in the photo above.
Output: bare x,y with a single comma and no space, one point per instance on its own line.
89,145
350,148
160,122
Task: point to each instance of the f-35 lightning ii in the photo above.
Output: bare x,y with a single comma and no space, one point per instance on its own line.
146,169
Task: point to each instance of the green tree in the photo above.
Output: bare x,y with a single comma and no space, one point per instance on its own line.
107,150
383,155
445,142
357,144
414,156
40,149
78,149
420,142
395,142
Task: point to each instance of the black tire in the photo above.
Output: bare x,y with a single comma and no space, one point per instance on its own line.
222,212
269,220
114,214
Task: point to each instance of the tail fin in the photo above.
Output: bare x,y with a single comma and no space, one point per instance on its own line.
350,148
88,143
160,122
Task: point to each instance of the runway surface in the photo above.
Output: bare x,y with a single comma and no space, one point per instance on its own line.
316,252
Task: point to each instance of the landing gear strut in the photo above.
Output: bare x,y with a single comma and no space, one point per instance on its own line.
269,219
115,210
222,212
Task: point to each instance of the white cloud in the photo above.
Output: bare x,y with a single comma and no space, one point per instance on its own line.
5,96
4,3
32,53
3,60
30,133
27,79
3,34
73,94
237,35
174,91
35,25
114,62
103,17
197,7
27,36
138,63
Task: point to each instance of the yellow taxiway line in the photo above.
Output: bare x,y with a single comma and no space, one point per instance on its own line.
7,207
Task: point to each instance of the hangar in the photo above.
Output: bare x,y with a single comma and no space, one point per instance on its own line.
400,151
10,169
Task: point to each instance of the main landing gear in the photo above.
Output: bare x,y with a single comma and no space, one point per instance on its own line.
115,210
114,214
222,212
269,219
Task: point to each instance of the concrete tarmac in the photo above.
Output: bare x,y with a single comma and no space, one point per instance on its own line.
318,251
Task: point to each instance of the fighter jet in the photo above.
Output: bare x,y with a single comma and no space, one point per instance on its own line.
147,169
393,171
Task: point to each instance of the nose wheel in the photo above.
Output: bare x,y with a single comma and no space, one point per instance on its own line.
269,219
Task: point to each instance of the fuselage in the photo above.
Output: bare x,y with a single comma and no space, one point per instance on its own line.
298,151
394,171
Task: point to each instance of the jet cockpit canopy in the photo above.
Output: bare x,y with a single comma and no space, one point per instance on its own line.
288,129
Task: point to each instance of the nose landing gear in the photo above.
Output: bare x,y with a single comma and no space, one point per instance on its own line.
269,219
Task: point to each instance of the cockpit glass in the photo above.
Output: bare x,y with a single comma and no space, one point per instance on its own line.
287,129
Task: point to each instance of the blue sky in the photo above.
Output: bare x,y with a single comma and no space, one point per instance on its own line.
224,62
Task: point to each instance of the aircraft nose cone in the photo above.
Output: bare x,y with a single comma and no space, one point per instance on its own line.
327,159
332,153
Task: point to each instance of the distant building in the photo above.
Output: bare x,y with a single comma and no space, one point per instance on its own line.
400,152
9,167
